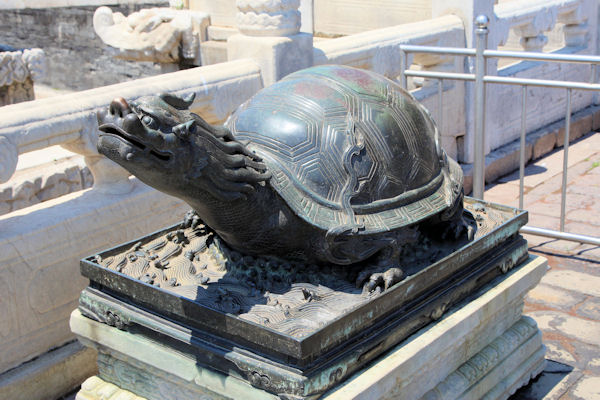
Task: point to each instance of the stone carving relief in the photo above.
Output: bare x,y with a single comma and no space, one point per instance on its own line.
9,154
268,17
532,23
457,383
18,70
162,35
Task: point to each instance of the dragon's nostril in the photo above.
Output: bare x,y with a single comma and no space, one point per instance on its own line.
119,107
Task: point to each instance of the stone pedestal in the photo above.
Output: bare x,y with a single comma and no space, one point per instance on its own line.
270,35
481,349
18,70
277,56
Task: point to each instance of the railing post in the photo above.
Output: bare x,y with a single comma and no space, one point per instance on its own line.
565,180
403,67
479,140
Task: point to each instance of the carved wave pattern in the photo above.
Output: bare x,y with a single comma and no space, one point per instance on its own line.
289,297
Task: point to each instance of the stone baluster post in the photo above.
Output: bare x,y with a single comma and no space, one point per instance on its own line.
576,28
270,35
532,33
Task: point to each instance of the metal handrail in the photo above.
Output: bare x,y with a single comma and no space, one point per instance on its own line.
480,78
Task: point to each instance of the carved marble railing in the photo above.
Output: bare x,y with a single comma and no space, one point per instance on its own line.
70,121
40,245
532,19
378,50
163,35
18,70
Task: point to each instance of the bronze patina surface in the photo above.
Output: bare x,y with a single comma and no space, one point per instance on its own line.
328,225
294,324
332,164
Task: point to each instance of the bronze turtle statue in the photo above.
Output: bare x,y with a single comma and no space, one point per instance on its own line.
332,164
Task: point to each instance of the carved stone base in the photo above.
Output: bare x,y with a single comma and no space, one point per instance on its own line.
482,349
16,92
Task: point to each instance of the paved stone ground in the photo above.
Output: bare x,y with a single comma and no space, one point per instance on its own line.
566,304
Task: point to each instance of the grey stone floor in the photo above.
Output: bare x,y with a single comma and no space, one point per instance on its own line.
566,304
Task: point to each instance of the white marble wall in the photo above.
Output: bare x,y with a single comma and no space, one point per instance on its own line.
40,246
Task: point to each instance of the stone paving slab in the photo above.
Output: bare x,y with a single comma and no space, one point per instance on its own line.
566,304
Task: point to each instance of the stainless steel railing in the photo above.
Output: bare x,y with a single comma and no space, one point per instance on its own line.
480,79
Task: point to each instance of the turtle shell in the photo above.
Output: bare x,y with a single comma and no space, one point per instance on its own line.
349,148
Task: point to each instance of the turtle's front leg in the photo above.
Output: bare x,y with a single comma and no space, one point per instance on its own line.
457,227
191,220
384,273
379,281
451,224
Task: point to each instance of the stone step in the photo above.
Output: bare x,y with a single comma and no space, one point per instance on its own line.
505,159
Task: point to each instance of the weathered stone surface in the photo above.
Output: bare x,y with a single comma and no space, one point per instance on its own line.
74,54
590,309
449,145
545,105
581,123
51,375
339,17
18,70
220,33
424,360
277,56
158,369
16,92
588,387
554,297
268,17
164,35
504,160
433,353
40,250
44,182
501,367
95,388
221,12
576,281
577,328
543,141
213,52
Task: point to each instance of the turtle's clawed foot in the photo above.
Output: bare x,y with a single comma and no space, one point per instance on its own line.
191,220
456,228
379,281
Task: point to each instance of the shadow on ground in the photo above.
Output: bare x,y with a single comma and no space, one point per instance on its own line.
554,373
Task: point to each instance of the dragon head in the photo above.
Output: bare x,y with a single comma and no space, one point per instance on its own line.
160,141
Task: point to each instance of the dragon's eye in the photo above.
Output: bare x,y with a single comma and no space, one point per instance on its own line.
149,122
